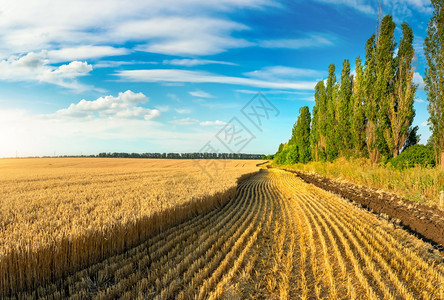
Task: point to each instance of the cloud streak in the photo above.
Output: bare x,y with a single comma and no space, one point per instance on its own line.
167,27
186,76
311,41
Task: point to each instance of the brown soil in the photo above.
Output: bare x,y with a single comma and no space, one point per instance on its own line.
424,221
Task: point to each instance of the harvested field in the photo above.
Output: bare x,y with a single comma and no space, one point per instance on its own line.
278,238
425,221
60,215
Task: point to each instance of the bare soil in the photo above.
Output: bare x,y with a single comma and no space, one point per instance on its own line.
426,222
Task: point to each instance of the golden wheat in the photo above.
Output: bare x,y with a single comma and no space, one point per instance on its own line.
277,238
61,215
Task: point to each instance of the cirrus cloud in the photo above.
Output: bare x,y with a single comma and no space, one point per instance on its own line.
182,76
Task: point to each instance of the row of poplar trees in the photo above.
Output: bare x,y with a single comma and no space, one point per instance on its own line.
370,113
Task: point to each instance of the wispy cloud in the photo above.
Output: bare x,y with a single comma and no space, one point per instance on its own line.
200,94
213,123
175,75
84,52
187,62
397,8
282,72
363,6
272,92
185,121
183,110
162,108
310,41
167,27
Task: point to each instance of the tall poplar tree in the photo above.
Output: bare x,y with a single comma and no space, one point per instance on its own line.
400,110
303,135
318,127
357,116
385,69
434,77
343,134
371,104
331,144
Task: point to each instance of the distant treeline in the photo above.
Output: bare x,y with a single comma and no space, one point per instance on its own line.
370,113
176,155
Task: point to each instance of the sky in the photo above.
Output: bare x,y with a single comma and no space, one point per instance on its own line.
84,77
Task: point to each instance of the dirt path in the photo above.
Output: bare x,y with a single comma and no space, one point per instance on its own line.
279,238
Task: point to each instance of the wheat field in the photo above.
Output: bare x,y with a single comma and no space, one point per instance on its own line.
278,238
61,215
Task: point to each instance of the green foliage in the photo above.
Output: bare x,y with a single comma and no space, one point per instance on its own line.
434,76
298,147
385,67
302,135
400,110
292,156
417,155
288,155
318,122
343,133
357,115
413,137
331,116
369,114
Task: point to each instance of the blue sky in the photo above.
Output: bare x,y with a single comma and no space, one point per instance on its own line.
83,77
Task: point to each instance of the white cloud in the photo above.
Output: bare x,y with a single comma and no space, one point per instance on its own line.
187,62
186,121
122,106
183,110
272,92
175,75
397,8
200,94
281,72
361,5
162,108
424,124
183,35
168,27
84,52
35,67
212,123
174,97
311,41
419,100
417,79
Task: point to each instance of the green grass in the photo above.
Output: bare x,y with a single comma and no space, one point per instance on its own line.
417,184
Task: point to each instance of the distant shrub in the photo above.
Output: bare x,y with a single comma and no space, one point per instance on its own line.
415,155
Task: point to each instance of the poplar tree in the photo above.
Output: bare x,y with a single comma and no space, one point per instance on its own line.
357,117
370,101
400,110
343,134
303,135
318,139
385,68
331,145
434,77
